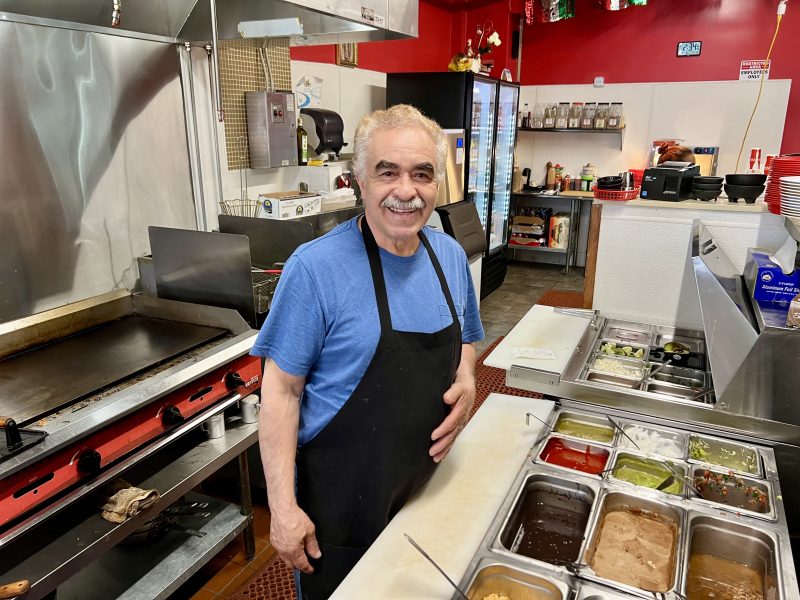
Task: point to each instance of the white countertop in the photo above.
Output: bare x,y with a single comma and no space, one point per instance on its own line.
452,513
721,204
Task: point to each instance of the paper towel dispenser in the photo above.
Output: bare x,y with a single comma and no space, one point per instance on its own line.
325,130
461,221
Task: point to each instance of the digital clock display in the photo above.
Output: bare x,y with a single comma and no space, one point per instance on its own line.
689,48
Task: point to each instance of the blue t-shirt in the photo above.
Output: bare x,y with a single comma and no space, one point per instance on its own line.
324,324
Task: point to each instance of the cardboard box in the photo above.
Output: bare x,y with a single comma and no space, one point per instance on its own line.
527,226
559,231
766,280
288,205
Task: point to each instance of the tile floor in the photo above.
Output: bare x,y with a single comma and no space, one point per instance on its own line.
500,311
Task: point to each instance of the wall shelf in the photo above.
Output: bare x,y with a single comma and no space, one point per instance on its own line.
619,132
515,247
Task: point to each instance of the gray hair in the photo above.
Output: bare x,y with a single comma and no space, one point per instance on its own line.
399,116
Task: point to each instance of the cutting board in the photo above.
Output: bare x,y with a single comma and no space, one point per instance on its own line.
545,328
452,512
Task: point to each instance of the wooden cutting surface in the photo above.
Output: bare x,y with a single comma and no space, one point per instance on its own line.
45,379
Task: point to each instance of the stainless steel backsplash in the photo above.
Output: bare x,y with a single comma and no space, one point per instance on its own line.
94,149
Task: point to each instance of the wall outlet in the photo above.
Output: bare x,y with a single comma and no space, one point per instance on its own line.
599,81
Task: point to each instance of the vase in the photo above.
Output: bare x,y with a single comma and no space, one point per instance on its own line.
475,65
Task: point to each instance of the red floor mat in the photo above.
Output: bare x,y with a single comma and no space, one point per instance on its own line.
274,581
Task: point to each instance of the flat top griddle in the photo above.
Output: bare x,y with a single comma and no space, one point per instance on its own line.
38,382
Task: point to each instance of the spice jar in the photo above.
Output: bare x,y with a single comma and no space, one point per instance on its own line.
562,115
587,115
550,115
615,116
574,120
537,116
601,116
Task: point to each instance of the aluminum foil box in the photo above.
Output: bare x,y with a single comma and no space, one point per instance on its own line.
766,280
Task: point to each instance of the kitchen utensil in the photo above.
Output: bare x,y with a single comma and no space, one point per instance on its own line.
680,476
249,407
214,426
627,180
12,590
706,194
653,372
748,192
528,421
438,568
666,483
707,180
569,565
706,186
622,431
746,179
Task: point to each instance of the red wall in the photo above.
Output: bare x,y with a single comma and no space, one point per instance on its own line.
629,46
638,45
429,52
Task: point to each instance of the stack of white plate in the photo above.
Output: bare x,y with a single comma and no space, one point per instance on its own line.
790,196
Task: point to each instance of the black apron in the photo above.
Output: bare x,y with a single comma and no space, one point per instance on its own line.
355,475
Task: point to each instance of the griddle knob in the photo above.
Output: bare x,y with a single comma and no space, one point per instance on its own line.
171,416
233,380
89,462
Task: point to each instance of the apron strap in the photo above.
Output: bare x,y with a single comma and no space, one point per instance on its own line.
440,274
378,281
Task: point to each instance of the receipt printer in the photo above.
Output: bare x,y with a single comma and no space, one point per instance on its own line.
671,180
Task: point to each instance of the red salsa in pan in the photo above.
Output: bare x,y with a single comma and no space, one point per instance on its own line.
580,457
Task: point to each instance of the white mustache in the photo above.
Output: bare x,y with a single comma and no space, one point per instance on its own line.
393,202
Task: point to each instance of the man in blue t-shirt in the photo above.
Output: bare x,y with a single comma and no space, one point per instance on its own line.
370,356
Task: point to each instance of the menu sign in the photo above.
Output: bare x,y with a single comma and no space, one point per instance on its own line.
753,69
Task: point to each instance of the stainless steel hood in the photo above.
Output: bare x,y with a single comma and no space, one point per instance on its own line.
306,22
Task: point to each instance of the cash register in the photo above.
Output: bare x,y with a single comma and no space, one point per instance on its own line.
671,180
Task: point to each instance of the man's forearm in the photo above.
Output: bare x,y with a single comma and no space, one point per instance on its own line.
466,368
277,436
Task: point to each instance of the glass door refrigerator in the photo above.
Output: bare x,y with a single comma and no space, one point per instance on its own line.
470,102
495,263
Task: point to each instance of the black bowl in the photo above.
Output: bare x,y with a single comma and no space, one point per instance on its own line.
610,179
609,187
748,192
706,180
706,186
706,194
749,179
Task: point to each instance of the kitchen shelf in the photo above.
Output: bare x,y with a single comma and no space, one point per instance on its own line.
620,132
59,554
539,248
129,573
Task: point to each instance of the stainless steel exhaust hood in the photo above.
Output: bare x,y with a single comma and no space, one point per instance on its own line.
306,22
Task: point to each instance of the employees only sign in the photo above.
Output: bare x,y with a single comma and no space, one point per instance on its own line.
751,70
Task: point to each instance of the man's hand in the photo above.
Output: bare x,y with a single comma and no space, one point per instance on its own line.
460,396
292,534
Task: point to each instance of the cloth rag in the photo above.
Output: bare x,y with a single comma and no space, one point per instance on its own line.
128,502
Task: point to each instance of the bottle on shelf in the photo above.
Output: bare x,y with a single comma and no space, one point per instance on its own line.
302,144
526,120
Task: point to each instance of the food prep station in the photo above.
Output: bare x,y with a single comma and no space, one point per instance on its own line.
583,494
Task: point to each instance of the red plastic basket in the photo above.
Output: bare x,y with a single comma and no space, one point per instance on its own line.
618,195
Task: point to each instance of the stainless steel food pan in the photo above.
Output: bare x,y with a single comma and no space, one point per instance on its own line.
584,418
667,514
739,493
496,577
548,496
736,543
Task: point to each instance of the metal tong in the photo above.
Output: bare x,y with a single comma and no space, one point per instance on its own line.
651,372
549,428
438,568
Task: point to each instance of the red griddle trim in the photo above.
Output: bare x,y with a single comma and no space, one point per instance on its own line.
27,489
